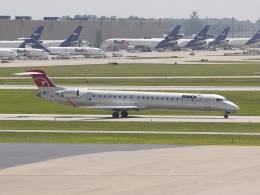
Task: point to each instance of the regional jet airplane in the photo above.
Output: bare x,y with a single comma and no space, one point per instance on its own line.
120,102
170,40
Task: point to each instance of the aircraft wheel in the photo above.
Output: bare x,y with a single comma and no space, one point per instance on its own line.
124,114
226,115
115,114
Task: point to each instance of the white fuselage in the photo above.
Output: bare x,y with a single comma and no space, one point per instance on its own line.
10,44
182,43
240,43
128,100
7,54
237,42
124,43
85,51
30,52
51,43
17,43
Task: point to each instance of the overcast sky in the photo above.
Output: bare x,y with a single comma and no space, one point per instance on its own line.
240,9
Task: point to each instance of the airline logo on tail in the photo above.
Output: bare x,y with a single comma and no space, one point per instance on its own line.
254,39
171,39
174,34
200,38
42,82
72,38
203,34
220,38
37,34
40,78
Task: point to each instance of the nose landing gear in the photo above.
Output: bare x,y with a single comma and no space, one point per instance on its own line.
226,115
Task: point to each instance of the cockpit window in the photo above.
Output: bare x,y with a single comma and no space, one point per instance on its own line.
219,100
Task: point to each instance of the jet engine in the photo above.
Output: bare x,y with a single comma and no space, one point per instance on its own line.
74,93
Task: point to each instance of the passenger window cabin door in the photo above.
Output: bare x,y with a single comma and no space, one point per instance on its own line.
206,103
89,96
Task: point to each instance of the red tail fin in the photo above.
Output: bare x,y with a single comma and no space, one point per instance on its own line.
41,79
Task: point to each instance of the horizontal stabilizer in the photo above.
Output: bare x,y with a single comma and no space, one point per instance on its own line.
27,73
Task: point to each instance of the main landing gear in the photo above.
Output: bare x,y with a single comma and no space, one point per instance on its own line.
124,114
226,115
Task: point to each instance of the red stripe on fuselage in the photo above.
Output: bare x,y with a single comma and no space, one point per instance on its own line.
71,102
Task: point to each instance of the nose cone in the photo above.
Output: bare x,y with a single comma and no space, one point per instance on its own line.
231,107
14,55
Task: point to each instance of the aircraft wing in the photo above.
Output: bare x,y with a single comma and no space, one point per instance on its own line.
118,108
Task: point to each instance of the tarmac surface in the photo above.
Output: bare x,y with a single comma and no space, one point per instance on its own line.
138,77
147,88
129,132
16,154
201,170
137,118
180,57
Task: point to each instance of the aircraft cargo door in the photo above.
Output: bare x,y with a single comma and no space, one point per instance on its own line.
206,104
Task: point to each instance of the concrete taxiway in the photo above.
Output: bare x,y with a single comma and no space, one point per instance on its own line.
138,77
16,154
180,57
148,88
129,132
199,170
137,118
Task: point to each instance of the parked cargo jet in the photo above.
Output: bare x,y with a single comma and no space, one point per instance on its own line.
220,40
198,42
69,51
68,42
22,50
120,102
244,42
169,40
7,54
17,43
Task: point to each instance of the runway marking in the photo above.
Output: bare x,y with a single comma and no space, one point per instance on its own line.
130,132
140,77
137,118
